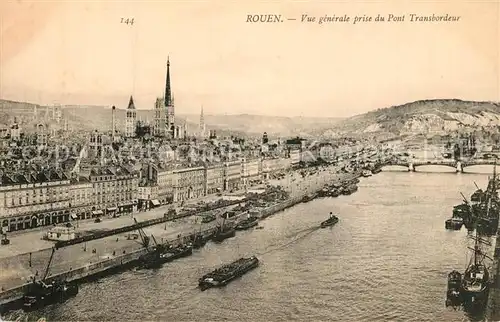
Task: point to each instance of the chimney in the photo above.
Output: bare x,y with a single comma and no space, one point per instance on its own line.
113,123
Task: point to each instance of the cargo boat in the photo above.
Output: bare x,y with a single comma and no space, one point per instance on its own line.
199,240
162,253
330,221
225,274
247,223
41,293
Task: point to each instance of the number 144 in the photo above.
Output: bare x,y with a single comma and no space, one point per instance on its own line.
128,21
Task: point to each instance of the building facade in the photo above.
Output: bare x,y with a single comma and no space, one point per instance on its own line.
250,173
165,181
232,175
32,200
214,178
189,183
114,190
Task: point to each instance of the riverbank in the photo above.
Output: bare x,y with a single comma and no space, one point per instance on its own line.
116,252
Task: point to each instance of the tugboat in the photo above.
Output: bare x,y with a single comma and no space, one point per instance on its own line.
453,296
225,274
330,221
42,293
249,222
223,232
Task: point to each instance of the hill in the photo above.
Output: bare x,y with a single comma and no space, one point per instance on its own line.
421,117
99,117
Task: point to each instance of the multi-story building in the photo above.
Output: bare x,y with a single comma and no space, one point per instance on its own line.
250,171
34,199
294,157
114,190
214,178
232,175
273,165
189,183
147,196
166,178
81,203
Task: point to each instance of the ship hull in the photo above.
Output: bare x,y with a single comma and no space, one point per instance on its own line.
247,225
36,301
221,236
329,223
157,262
229,277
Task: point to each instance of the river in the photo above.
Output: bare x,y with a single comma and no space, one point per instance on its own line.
386,260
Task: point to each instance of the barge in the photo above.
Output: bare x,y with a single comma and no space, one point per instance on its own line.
225,274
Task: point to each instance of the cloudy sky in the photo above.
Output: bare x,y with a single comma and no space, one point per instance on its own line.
78,52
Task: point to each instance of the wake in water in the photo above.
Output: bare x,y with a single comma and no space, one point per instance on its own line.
299,235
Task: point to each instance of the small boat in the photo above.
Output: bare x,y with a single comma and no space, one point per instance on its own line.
225,274
247,223
366,173
40,294
454,223
453,296
259,227
330,221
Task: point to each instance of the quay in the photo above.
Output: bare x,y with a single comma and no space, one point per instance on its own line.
493,305
84,270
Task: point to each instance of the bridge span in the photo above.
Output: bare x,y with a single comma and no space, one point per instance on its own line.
459,166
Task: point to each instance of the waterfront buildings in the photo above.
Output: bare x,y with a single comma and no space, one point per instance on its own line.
189,183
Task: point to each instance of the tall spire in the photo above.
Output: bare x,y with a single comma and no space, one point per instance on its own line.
131,105
168,91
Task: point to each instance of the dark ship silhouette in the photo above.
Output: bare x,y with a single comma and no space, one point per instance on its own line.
225,274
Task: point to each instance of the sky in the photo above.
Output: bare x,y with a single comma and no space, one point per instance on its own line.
79,53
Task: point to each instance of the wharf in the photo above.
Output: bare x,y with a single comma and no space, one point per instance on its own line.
493,305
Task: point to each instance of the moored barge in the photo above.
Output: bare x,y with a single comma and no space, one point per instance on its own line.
225,274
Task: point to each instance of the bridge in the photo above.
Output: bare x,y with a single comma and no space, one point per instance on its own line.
459,166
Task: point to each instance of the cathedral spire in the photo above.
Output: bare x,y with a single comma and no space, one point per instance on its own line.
131,105
168,91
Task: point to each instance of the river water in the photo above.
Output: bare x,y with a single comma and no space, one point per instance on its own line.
386,260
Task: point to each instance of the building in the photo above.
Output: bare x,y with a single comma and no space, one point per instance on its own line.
189,183
295,157
164,116
81,193
114,190
15,131
61,233
130,119
202,129
274,165
147,196
250,173
232,175
214,178
34,199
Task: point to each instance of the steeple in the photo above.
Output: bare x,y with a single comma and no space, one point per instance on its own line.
168,90
131,105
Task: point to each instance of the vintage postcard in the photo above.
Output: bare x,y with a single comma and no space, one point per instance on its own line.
249,160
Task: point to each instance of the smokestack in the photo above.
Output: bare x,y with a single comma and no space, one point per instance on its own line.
113,122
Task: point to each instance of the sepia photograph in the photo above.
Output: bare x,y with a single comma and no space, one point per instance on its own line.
258,161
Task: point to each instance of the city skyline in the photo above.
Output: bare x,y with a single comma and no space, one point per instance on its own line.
233,67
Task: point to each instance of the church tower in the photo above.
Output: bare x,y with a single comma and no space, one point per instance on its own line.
130,120
202,124
164,120
169,103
